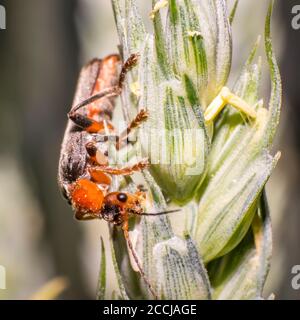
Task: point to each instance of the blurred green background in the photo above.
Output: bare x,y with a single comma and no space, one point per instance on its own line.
41,52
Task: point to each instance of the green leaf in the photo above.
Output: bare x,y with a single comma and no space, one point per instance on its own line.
174,137
160,45
223,43
153,229
233,11
130,27
241,274
135,29
262,229
185,43
199,44
276,90
181,273
102,274
122,293
119,20
109,289
170,262
229,202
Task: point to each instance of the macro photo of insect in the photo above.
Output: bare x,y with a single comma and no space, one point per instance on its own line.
149,151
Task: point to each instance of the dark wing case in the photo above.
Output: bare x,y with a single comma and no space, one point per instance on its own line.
72,162
73,157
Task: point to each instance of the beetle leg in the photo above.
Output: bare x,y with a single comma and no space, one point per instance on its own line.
126,67
100,177
135,123
89,124
112,91
139,166
96,156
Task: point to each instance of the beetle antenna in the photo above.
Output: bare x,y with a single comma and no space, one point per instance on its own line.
141,271
105,93
158,213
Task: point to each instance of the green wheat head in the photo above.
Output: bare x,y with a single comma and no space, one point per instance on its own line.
210,156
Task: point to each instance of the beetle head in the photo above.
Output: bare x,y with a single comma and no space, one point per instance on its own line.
116,205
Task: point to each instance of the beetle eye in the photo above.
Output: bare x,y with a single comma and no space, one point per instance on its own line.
122,197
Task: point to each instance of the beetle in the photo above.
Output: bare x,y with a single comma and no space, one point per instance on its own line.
84,173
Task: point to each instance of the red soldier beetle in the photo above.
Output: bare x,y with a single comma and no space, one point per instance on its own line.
84,174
